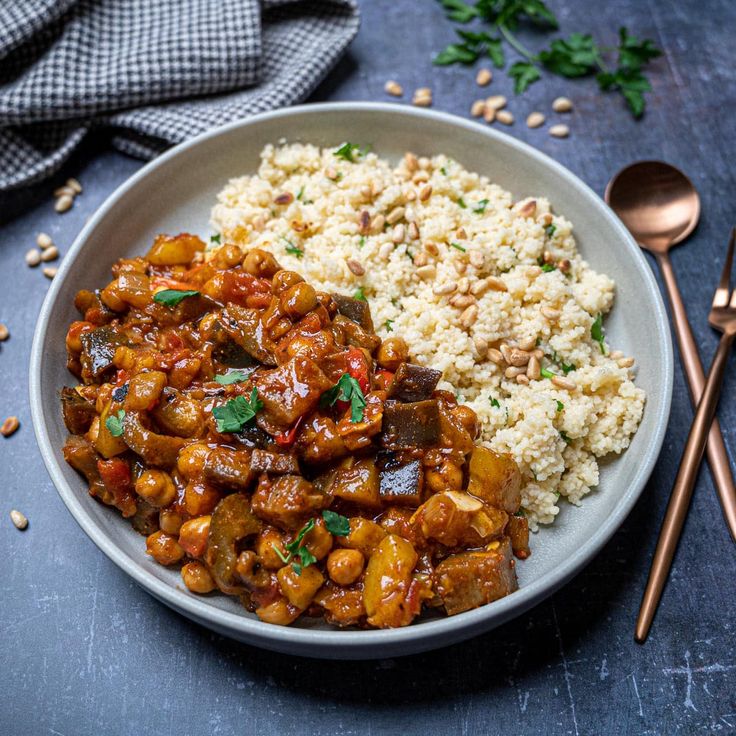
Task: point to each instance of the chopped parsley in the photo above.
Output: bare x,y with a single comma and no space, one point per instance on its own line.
458,246
232,376
300,193
596,332
494,403
443,171
216,238
550,229
461,203
172,297
336,523
565,367
291,249
360,294
361,241
480,207
547,373
237,412
348,152
560,406
547,267
296,548
346,389
388,324
114,423
564,436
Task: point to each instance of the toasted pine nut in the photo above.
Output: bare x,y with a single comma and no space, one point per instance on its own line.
411,162
74,185
4,332
625,362
562,382
447,288
518,357
480,345
463,285
538,353
19,520
533,369
546,219
547,257
468,317
385,251
528,343
395,215
528,208
535,119
9,426
559,131
512,371
564,265
427,272
550,313
398,234
366,193
393,88
420,177
49,273
489,113
460,266
355,267
476,258
505,117
483,77
64,191
478,108
378,222
615,355
460,234
410,195
425,193
495,356
562,104
489,282
523,379
432,248
421,259
33,257
365,221
44,241
505,351
462,300
496,102
413,231
284,198
50,254
533,271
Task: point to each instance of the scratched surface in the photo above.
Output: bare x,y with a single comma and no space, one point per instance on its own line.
84,651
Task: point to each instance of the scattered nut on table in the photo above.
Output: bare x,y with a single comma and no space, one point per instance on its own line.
9,426
562,104
19,520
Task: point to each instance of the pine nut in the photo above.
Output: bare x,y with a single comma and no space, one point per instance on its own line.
463,285
420,177
63,203
523,379
535,119
378,222
44,241
512,371
496,102
528,343
460,266
50,254
411,162
483,77
538,353
505,117
74,185
422,97
410,195
562,382
427,272
489,113
518,357
49,273
423,91
616,354
9,426
546,219
64,191
533,368
421,259
505,351
533,271
447,288
395,215
19,520
365,221
495,356
331,173
480,345
468,317
460,234
564,265
529,208
550,313
477,108
33,257
413,231
393,88
559,131
432,248
398,234
4,332
366,193
547,257
562,104
476,258
355,267
285,198
425,193
625,362
462,300
385,251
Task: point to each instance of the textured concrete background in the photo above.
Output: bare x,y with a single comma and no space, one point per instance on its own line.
84,651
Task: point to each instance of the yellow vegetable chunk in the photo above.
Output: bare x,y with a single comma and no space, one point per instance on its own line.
176,250
365,535
300,589
495,479
357,482
105,443
144,389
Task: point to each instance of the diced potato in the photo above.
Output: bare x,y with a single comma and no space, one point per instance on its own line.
387,581
300,589
144,389
179,414
365,535
358,483
135,289
342,606
168,250
280,612
495,479
105,443
518,532
286,501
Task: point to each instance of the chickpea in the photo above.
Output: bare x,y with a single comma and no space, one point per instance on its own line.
110,298
283,280
191,459
260,263
279,612
170,521
318,541
208,324
163,548
435,481
452,474
197,578
193,535
298,299
468,418
265,543
156,487
392,353
345,565
227,256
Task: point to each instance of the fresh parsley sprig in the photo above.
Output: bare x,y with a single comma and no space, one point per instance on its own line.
346,389
173,297
232,376
596,332
114,423
292,249
349,151
236,413
336,523
296,548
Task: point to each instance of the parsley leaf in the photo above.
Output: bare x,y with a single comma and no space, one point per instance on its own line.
494,49
346,389
550,229
523,73
237,412
360,294
494,403
233,376
560,406
631,83
216,238
458,11
389,325
633,53
564,436
347,152
461,203
547,373
547,267
172,297
300,193
575,56
509,12
458,246
456,53
295,548
473,45
565,367
291,249
114,423
596,332
361,241
336,524
480,207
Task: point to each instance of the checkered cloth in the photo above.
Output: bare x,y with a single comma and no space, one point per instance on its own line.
155,72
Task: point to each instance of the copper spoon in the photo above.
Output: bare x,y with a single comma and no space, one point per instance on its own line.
660,207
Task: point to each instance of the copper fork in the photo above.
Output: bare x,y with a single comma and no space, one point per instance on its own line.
723,318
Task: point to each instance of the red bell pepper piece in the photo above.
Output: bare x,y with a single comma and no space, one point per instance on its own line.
287,439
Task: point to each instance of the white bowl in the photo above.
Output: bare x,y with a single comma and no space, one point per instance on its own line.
175,192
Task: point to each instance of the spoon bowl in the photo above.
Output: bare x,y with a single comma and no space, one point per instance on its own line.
657,203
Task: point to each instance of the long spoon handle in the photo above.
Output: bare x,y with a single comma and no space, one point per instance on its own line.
717,455
682,491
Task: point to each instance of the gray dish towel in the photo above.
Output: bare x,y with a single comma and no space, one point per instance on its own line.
155,72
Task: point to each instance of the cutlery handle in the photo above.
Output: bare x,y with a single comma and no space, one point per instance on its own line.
682,491
716,448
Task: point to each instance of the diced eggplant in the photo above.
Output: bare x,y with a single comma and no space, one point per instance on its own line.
357,482
411,425
98,349
277,463
246,328
286,501
229,469
232,522
291,390
81,455
472,579
495,479
230,355
413,383
518,531
158,450
252,436
78,413
357,310
355,335
145,520
402,484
